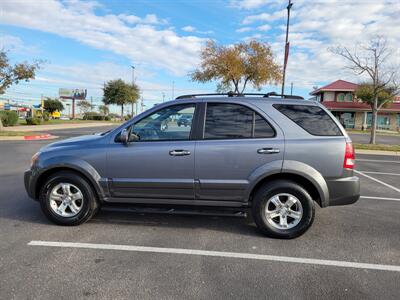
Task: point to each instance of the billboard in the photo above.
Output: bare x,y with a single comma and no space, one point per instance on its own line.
79,94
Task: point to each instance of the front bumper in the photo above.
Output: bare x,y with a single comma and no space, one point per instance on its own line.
343,191
29,184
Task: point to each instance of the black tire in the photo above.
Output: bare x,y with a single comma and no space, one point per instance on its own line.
266,192
89,203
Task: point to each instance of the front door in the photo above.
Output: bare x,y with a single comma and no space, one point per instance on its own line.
237,140
160,165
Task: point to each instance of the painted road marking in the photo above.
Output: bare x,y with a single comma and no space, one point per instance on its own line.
379,181
287,259
380,198
380,173
377,160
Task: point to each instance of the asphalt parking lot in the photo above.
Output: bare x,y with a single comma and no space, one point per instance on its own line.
349,252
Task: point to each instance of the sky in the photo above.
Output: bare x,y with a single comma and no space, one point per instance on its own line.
86,43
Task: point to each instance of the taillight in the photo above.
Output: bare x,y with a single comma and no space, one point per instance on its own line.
349,157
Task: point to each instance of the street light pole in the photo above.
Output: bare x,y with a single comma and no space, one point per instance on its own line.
286,47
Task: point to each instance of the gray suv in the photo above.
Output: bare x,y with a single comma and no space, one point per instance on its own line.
276,156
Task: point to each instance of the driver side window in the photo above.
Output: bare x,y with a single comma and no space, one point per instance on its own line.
170,123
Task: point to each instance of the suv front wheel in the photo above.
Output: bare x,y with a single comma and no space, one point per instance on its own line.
283,209
67,199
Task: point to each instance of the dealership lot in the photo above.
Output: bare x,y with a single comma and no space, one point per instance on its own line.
350,251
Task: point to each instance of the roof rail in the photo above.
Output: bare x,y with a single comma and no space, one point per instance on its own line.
231,94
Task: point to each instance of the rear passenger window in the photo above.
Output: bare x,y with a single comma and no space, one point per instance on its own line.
233,121
262,129
312,119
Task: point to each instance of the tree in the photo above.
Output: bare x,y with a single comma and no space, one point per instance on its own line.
120,93
52,105
84,106
135,97
104,110
13,74
372,60
365,92
238,65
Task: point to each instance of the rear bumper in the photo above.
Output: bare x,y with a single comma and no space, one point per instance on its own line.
343,191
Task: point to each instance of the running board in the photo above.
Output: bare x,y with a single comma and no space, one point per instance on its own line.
198,211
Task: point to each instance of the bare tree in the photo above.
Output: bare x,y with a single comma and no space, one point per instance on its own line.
373,60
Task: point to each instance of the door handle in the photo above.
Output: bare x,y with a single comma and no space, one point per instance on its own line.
179,152
268,151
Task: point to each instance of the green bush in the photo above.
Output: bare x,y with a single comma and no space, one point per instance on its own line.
33,121
94,116
46,116
8,118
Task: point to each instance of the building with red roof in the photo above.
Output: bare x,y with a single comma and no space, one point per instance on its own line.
339,98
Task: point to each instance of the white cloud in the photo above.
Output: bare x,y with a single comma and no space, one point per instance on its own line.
265,27
189,29
10,42
192,29
265,17
316,26
250,4
244,29
126,35
16,45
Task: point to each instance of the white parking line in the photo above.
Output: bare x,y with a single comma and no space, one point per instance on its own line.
377,160
380,173
287,259
379,181
380,198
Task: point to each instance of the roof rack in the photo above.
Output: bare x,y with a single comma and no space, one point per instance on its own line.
231,94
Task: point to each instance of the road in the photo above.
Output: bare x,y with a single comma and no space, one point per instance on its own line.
366,232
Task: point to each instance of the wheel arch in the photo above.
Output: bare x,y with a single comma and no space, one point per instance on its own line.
97,189
300,180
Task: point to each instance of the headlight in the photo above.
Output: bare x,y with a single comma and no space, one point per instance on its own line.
34,158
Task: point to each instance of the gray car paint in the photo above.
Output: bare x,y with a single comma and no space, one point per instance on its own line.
218,172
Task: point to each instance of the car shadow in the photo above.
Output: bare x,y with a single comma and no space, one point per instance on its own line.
242,225
28,211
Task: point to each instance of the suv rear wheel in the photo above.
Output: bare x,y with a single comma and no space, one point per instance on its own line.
283,209
67,199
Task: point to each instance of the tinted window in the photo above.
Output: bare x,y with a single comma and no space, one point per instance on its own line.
166,124
261,127
232,121
313,119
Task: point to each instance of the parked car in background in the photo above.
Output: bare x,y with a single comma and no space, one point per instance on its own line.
275,157
185,120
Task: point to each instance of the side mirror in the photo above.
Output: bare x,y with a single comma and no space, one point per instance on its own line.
124,137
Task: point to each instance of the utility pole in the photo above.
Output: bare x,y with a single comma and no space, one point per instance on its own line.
291,89
286,47
163,97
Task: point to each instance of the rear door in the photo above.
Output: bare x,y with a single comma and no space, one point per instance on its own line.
236,141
